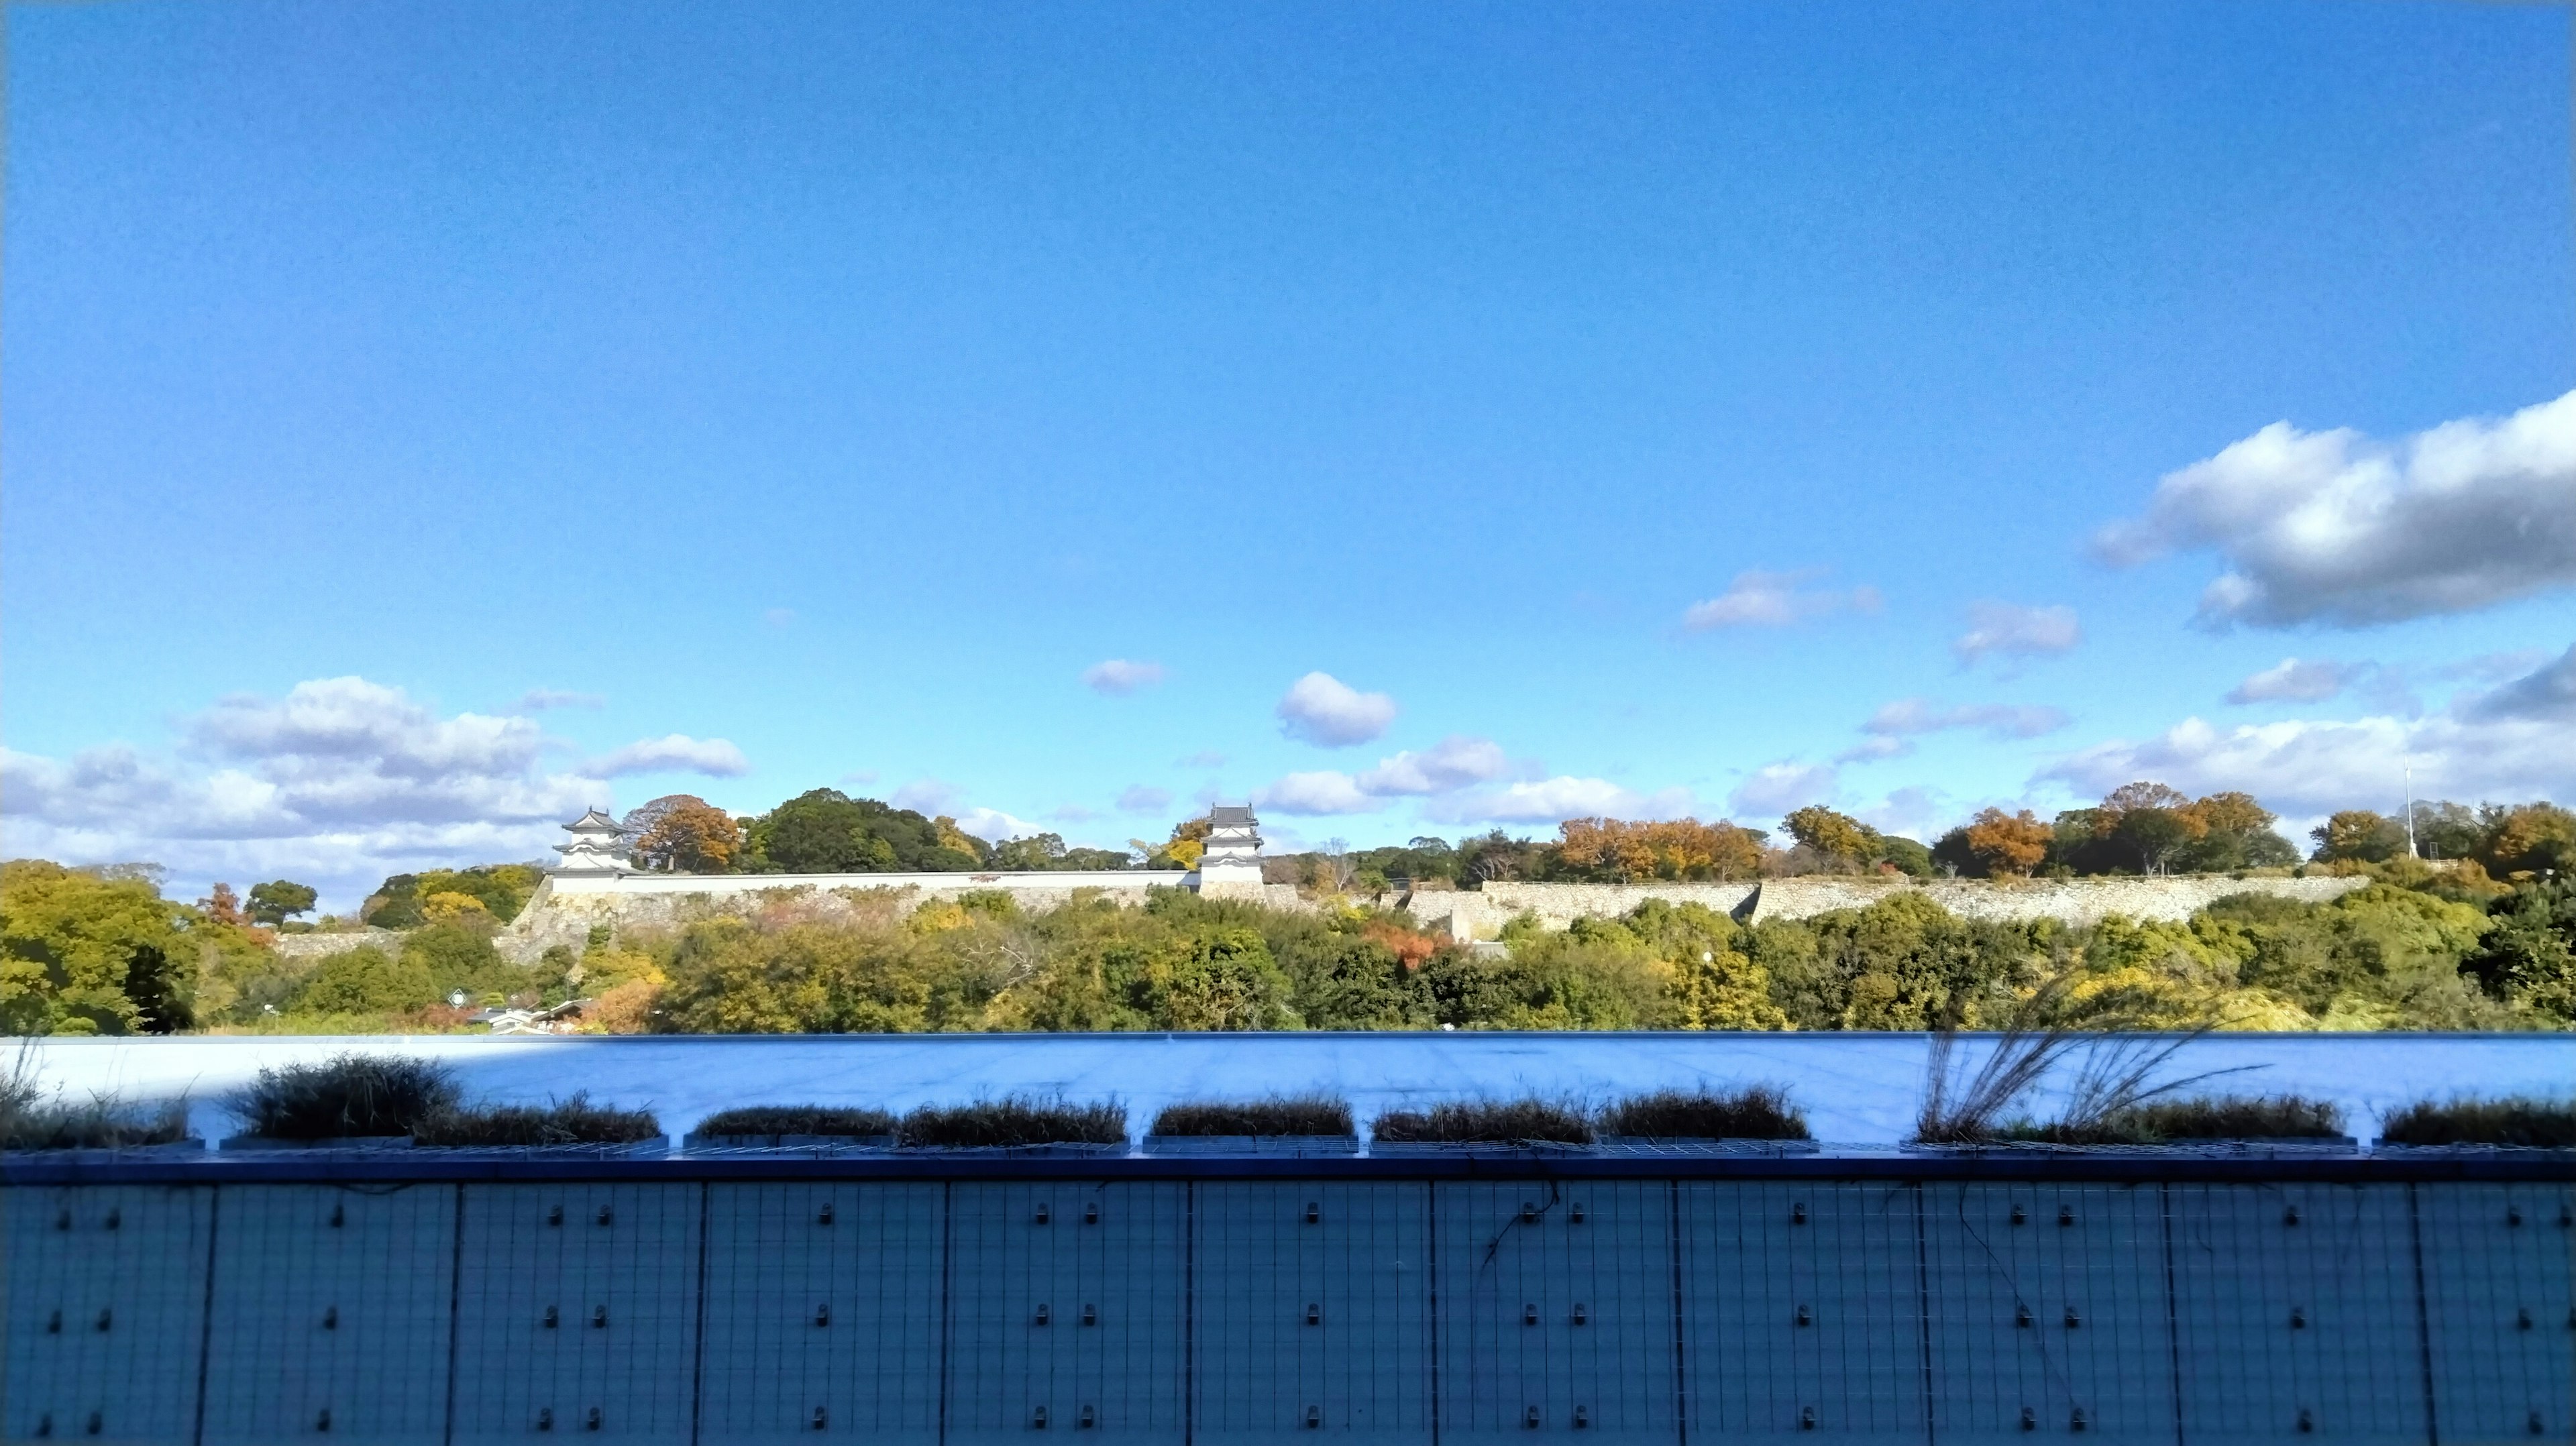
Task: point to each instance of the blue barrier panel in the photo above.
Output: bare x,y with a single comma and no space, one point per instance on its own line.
2502,1312
1312,1308
577,1310
1068,1309
2297,1313
1758,1259
822,1311
1555,1309
2049,1312
331,1313
106,1311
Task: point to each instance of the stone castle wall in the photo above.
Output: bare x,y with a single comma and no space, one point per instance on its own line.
565,909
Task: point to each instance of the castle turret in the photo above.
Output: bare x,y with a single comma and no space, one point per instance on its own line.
597,846
1233,853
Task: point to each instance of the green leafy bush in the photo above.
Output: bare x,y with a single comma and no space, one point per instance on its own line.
1299,1115
345,1096
1760,1112
798,1120
1485,1122
572,1121
1016,1120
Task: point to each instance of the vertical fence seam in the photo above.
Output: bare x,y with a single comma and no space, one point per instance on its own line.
2423,1316
455,1305
1681,1390
947,1312
1189,1310
2173,1304
698,1352
1923,1311
1431,1277
206,1324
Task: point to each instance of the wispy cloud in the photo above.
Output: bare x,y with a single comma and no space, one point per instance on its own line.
2295,680
671,753
1119,677
1759,599
1323,710
539,700
2013,630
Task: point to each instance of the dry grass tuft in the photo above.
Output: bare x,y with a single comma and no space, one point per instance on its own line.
1016,1120
348,1095
31,1121
1760,1112
1533,1121
2530,1121
1289,1115
2219,1117
573,1121
798,1120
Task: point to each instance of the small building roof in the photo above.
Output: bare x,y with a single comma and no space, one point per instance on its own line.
590,821
1230,815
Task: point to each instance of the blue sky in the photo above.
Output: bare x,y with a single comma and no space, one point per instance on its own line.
420,419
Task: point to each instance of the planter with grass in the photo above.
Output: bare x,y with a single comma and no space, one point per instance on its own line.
1018,1125
567,1125
2471,1124
348,1102
1293,1127
102,1124
1756,1121
1483,1127
2270,1125
801,1129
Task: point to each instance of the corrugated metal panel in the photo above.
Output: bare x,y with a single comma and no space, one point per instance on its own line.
2497,1268
578,1311
1556,1309
2297,1311
1753,1257
1313,1311
2049,1312
332,1308
823,1307
1067,1306
106,1311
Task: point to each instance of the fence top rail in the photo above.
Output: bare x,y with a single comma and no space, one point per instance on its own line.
389,1167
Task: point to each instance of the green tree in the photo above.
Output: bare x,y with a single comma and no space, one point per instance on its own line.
69,946
825,831
2357,835
2528,957
1835,835
365,981
275,902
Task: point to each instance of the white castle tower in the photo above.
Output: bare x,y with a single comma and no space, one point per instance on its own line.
596,847
1233,853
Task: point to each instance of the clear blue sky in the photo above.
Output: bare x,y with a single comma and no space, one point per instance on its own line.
832,386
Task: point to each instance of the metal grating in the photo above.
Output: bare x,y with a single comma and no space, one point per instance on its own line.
106,1312
2498,1297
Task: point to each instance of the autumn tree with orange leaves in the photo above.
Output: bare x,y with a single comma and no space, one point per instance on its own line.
2008,843
1684,848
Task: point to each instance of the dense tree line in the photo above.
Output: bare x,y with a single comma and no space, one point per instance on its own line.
101,951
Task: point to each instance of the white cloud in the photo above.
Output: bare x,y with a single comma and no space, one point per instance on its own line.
671,753
1553,800
927,796
2338,528
1775,599
1775,788
2295,680
1139,798
1119,677
1310,794
2309,768
339,783
1323,710
2547,695
992,825
1453,763
2010,628
1908,716
539,700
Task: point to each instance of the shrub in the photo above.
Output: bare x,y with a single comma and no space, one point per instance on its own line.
29,1121
574,1121
1298,1115
350,1094
1761,1112
2221,1117
1484,1121
1015,1120
797,1120
2469,1120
